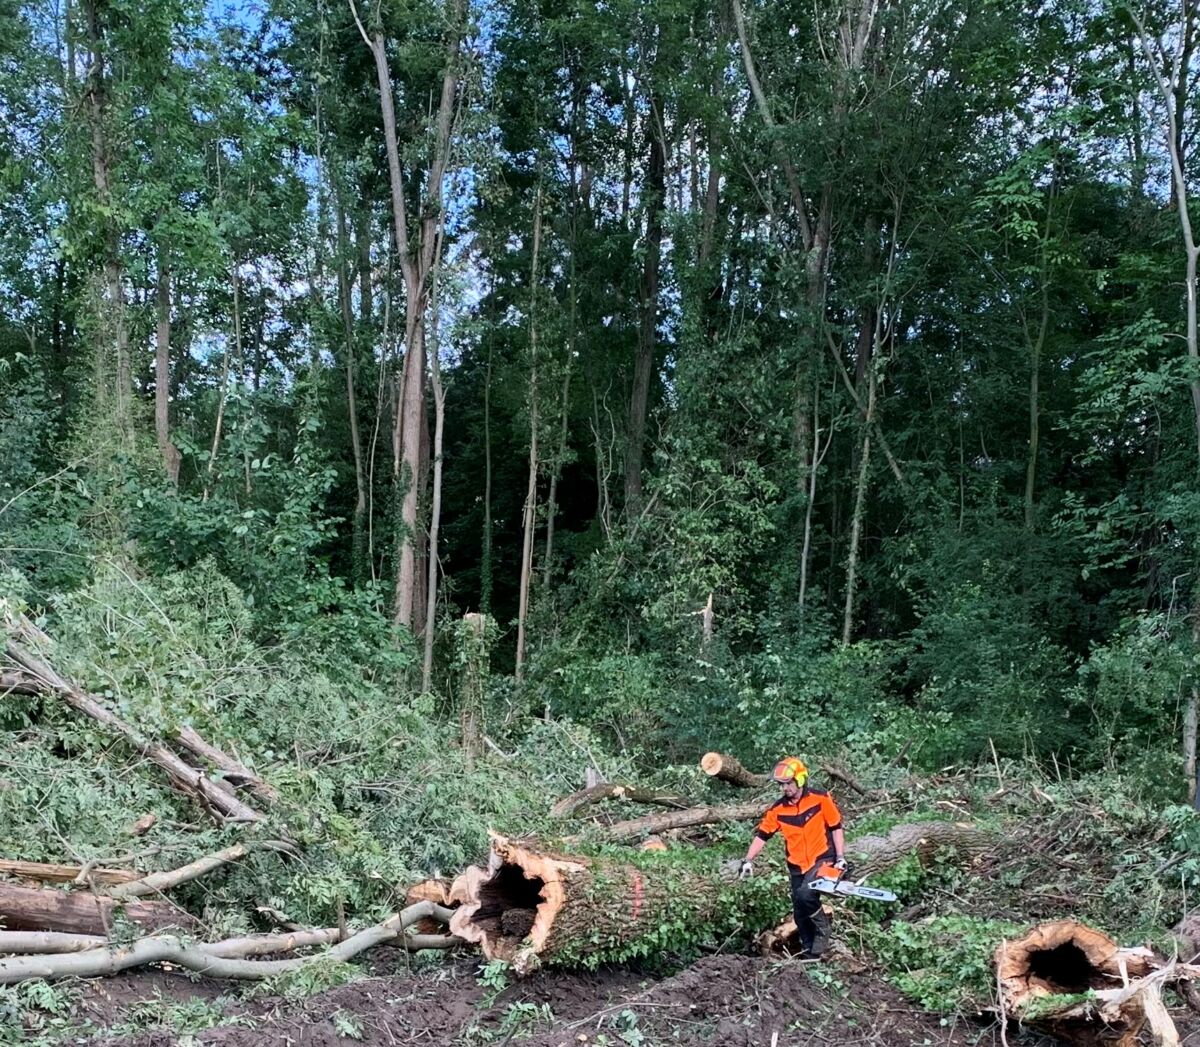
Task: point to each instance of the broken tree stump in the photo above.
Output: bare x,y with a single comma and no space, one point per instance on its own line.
1077,984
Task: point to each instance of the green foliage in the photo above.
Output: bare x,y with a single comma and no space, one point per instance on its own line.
942,963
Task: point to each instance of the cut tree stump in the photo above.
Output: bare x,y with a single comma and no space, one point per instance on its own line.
1077,984
533,907
81,912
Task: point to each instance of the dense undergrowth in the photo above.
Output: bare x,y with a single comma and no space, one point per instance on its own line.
379,792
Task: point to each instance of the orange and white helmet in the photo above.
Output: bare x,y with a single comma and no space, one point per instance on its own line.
790,769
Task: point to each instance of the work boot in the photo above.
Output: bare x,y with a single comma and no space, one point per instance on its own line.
821,928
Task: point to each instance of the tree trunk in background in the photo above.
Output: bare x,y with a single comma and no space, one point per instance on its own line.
112,322
529,516
362,242
358,561
162,371
416,256
648,299
1174,96
564,414
485,558
856,518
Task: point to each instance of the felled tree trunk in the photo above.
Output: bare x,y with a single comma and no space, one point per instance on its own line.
54,873
729,769
1077,984
79,912
533,907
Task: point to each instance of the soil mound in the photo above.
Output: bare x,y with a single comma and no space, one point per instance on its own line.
734,1001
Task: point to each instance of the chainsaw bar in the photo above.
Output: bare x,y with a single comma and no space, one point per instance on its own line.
827,885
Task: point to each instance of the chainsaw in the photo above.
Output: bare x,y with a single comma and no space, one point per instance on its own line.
831,880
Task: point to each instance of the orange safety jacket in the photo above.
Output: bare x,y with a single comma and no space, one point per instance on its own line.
807,826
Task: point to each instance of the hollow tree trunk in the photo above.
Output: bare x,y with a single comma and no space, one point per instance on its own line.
1074,982
532,907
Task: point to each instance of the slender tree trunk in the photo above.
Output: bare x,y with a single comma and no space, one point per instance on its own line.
358,539
564,414
362,241
113,320
439,415
410,436
856,518
485,559
818,456
162,371
529,516
647,331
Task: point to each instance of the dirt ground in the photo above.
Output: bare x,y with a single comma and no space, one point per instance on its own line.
733,1001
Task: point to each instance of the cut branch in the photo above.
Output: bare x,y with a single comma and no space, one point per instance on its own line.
650,824
19,651
156,883
226,959
232,769
572,804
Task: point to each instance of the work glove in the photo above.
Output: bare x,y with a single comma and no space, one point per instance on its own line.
840,864
746,870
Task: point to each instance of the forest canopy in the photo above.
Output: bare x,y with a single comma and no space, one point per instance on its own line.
758,375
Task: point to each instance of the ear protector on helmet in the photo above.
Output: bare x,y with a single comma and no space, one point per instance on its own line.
790,769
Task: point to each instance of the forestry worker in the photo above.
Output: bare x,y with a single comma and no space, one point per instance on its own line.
811,825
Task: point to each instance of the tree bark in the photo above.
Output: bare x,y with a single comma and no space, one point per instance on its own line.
435,514
162,371
81,912
856,518
160,882
530,511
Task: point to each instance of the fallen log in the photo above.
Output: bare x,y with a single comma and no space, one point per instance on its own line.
233,770
81,912
535,907
18,683
570,805
1077,984
874,853
49,872
653,824
223,959
19,650
729,769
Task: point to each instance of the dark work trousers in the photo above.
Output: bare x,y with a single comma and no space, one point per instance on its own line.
812,923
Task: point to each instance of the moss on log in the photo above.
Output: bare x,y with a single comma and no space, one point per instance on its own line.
591,909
